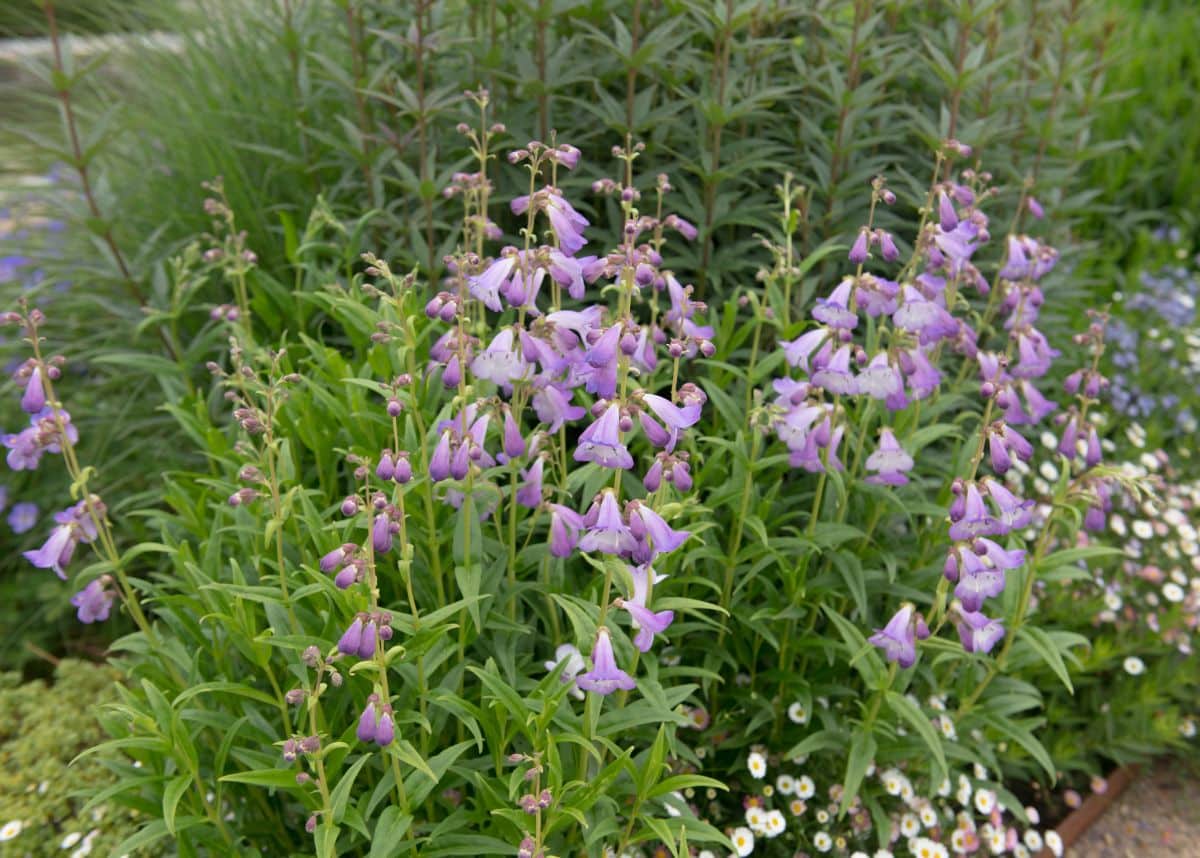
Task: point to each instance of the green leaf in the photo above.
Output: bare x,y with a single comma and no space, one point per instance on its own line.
280,778
392,825
1044,646
862,752
171,796
341,793
907,710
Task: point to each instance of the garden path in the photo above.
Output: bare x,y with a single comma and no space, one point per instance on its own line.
1157,817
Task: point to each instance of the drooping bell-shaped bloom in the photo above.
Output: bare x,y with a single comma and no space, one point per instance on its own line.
930,321
836,377
898,639
977,632
975,520
94,602
889,463
601,442
876,296
34,398
74,525
947,217
1012,512
880,380
1093,454
610,534
835,311
367,724
381,533
501,362
530,493
351,640
604,677
649,527
486,286
572,663
336,558
566,223
370,636
513,442
648,623
553,406
798,351
859,250
977,581
565,525
439,462
385,731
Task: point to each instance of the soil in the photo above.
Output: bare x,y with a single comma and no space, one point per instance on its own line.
1158,816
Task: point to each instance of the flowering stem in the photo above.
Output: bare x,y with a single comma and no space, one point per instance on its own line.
735,538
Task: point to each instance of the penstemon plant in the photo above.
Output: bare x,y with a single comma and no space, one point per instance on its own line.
527,561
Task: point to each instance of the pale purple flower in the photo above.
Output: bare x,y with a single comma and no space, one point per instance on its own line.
880,380
890,463
530,493
553,406
601,441
798,351
1012,512
608,534
859,250
94,602
648,623
648,526
486,286
837,377
23,516
604,677
34,398
898,639
565,525
835,311
974,519
501,362
977,632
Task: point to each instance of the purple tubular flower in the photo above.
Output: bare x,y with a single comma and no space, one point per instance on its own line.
567,224
381,533
836,377
514,444
601,442
610,534
1012,512
403,472
93,602
898,639
653,478
975,519
367,724
798,351
351,639
56,551
565,525
929,320
646,523
346,576
34,398
386,469
977,632
337,557
1093,455
946,214
858,251
887,246
676,417
439,462
835,311
880,380
22,517
530,493
486,286
647,622
977,582
889,462
605,677
385,731
366,645
553,406
501,362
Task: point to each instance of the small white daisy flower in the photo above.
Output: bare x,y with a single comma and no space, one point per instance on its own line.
910,826
743,841
1134,666
1054,843
822,842
985,801
10,829
757,764
775,824
797,714
1033,840
805,788
70,840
